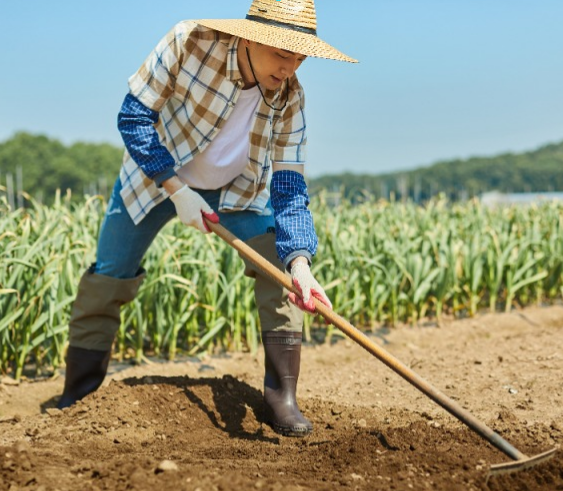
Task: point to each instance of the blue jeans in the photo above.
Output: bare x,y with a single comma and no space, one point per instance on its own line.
122,244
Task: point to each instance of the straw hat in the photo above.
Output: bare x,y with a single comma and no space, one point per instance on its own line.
284,24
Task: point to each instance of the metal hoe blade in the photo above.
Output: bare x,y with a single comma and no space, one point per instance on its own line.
520,461
521,464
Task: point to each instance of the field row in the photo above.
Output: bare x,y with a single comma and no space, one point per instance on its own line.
380,263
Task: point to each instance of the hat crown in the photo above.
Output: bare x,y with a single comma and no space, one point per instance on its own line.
299,13
290,25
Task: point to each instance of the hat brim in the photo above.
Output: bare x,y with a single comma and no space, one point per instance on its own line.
278,37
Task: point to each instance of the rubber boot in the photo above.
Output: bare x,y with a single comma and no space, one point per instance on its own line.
85,372
283,360
94,321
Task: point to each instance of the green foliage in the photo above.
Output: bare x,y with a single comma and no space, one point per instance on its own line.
380,263
537,171
47,165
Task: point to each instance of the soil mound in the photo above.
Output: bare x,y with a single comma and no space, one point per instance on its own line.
197,425
208,433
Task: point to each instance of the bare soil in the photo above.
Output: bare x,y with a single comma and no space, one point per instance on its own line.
197,424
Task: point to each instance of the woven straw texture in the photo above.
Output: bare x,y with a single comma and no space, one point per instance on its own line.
299,13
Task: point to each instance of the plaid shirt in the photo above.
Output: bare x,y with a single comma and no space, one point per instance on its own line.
192,81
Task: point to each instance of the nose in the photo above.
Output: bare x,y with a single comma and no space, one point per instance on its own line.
290,66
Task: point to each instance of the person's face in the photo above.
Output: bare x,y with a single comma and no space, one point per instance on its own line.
272,66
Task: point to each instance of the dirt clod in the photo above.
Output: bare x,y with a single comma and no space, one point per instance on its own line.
174,426
167,466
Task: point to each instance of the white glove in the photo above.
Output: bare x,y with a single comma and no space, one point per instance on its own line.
306,284
191,208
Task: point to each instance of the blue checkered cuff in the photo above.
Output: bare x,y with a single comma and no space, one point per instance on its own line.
295,232
136,125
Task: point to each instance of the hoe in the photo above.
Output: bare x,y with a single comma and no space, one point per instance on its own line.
519,462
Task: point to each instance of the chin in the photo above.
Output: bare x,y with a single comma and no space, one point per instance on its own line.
271,85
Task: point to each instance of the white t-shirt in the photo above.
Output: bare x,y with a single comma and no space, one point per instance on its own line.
226,156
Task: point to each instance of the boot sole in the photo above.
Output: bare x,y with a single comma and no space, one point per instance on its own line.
295,431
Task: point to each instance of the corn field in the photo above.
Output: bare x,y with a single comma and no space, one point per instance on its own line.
381,263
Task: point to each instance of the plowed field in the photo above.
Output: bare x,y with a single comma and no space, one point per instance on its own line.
197,424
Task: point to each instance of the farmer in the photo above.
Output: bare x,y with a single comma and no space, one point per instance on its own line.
212,116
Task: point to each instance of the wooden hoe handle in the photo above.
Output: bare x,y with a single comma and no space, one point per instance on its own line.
353,333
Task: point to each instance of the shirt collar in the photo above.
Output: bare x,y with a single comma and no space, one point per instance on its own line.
234,74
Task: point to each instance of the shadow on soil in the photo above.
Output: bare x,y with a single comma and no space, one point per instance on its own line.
232,399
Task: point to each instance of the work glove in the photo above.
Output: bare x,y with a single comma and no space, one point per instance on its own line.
308,287
191,208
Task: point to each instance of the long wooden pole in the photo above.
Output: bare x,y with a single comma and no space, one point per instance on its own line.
381,354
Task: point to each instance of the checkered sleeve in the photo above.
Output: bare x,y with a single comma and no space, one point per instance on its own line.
289,138
155,81
295,232
136,124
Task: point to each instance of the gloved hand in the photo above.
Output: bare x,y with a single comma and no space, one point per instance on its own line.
190,207
308,287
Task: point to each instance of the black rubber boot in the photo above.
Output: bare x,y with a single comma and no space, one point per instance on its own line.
85,372
94,321
283,360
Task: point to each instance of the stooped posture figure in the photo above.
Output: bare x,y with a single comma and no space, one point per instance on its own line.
213,115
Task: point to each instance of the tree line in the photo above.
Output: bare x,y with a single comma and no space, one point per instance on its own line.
40,165
540,170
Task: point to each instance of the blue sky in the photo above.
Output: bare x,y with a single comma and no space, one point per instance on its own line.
437,79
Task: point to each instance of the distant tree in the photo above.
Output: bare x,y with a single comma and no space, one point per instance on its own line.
48,165
540,170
